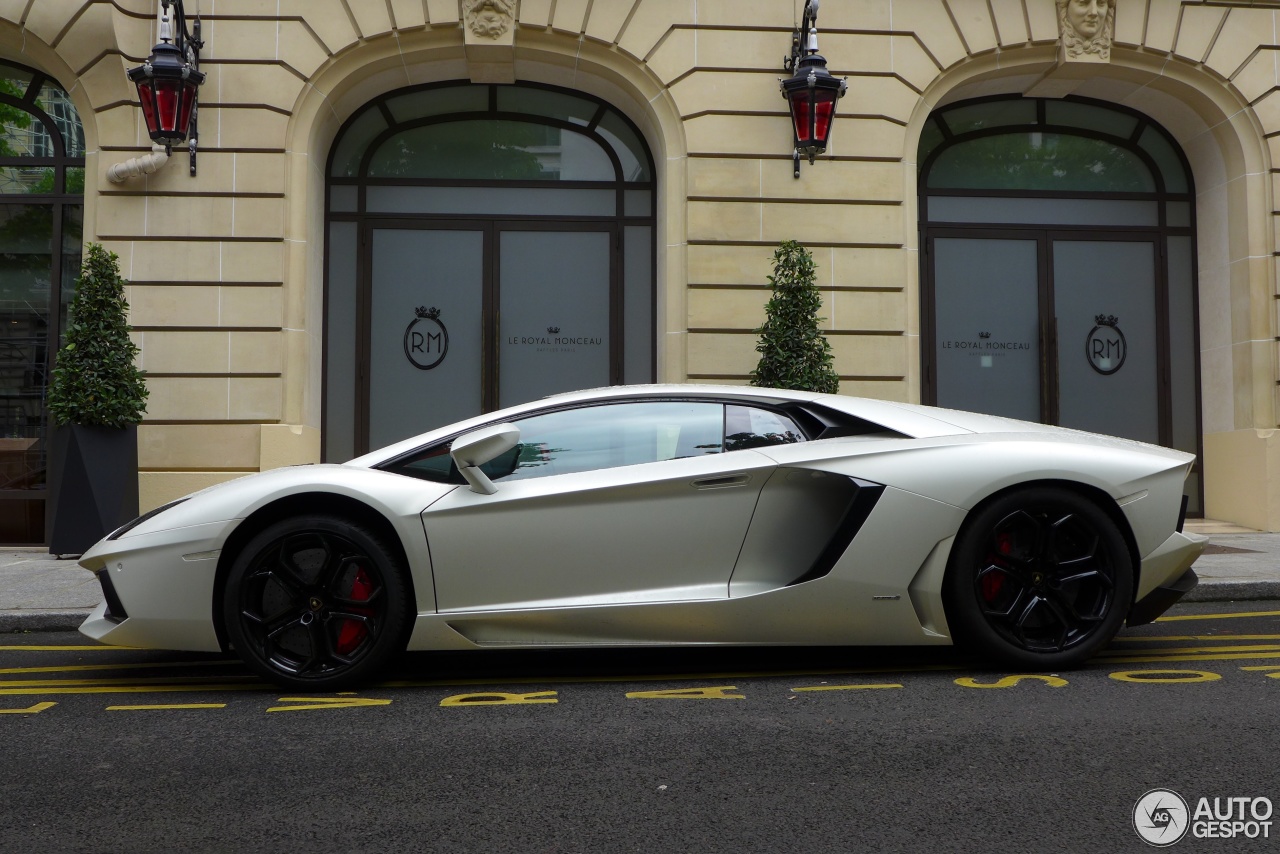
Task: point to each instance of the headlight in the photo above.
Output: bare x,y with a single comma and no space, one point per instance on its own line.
126,528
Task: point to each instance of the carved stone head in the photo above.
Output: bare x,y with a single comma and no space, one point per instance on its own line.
1087,27
489,18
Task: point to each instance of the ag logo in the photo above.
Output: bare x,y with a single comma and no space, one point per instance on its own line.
426,341
1105,346
1161,817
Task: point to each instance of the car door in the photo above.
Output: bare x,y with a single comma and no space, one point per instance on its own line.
618,503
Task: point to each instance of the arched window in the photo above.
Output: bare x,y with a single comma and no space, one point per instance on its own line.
523,216
1058,268
41,229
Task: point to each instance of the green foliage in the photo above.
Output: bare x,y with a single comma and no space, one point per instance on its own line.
793,352
95,382
11,118
74,181
1041,161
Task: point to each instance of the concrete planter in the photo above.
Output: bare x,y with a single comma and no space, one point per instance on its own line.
94,485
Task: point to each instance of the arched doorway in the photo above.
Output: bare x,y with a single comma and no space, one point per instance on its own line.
41,228
1058,269
487,245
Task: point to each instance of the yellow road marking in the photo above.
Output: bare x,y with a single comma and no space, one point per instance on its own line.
664,677
125,689
94,648
1011,681
30,710
844,687
1186,638
1188,650
1225,650
165,707
74,668
1180,617
498,698
1233,656
1165,677
714,692
312,703
140,680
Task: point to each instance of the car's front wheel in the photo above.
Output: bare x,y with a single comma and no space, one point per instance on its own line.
1039,578
316,603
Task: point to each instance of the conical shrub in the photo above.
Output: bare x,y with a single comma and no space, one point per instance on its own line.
96,383
793,352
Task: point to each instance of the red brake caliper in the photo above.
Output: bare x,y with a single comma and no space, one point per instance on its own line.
354,632
993,582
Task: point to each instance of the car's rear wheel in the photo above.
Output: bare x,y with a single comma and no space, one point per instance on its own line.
317,603
1039,578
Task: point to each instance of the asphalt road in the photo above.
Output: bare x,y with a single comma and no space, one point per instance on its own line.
757,750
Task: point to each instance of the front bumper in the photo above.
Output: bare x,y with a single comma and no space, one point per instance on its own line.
158,590
1166,576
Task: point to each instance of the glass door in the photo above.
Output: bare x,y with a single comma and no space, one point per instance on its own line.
557,293
424,331
1053,328
986,296
470,316
1108,348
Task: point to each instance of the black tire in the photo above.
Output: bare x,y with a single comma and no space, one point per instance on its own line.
1040,578
315,603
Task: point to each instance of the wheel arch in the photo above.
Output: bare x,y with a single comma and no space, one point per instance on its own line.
299,504
1100,498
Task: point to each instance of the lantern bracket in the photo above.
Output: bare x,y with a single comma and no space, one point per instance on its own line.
804,41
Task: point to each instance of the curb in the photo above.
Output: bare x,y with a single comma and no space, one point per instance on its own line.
42,621
1233,590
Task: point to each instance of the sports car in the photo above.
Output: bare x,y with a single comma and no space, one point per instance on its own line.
665,515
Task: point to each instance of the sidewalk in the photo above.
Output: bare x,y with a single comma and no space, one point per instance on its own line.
39,593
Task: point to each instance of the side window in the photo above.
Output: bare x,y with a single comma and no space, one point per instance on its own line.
433,464
619,434
587,439
748,427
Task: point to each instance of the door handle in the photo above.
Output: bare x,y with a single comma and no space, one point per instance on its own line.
722,482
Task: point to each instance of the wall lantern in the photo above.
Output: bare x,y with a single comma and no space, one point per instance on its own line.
810,90
168,81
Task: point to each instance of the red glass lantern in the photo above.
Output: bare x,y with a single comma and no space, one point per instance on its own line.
167,87
810,91
168,82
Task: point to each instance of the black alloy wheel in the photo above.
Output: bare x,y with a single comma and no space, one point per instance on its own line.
317,603
1041,578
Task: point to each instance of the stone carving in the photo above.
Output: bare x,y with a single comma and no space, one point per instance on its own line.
489,18
1087,27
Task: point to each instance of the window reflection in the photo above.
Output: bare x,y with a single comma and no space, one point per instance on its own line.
36,280
491,150
622,434
1041,161
747,427
614,435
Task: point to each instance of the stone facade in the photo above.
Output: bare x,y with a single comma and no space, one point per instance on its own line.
227,267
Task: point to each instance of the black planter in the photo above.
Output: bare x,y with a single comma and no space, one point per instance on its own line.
94,487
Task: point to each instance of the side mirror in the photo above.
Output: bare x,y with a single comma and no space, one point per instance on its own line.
474,449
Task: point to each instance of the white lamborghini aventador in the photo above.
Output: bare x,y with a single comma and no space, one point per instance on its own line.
665,515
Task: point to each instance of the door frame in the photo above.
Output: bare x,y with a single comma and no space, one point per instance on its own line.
491,227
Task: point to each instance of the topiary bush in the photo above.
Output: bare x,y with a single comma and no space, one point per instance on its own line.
96,383
793,352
